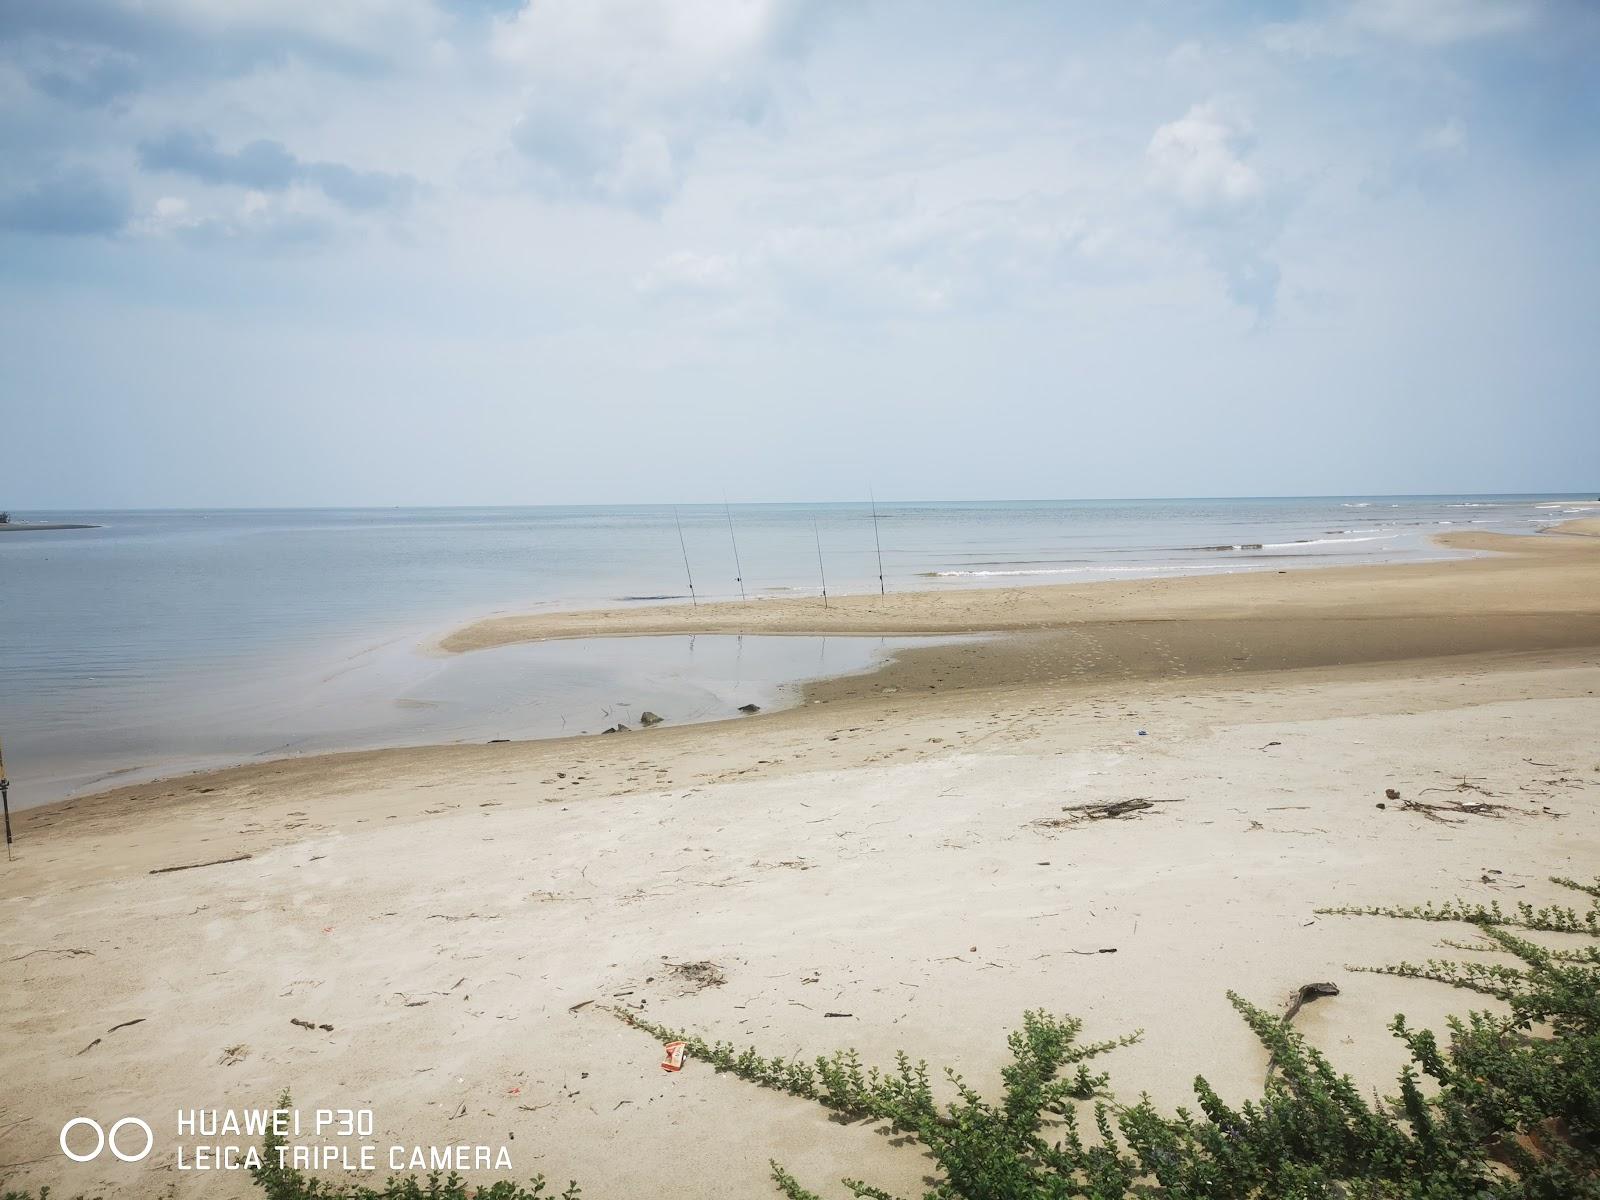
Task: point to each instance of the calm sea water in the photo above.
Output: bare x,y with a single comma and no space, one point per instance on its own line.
164,640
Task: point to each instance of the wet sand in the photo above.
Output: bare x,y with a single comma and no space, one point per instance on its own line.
1540,575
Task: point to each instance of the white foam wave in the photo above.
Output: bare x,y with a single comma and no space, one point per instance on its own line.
1328,541
1118,570
995,574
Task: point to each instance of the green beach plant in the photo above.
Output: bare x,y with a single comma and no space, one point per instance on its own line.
1505,1107
1508,1108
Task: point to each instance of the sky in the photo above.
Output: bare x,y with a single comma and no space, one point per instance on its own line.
375,252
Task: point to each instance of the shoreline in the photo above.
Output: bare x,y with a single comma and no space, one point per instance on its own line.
1096,634
1039,606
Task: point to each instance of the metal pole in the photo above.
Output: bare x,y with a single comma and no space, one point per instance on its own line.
820,572
682,546
876,542
738,571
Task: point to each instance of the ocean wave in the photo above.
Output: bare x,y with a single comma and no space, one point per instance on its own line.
993,574
1118,570
1321,541
1184,567
1218,548
1330,541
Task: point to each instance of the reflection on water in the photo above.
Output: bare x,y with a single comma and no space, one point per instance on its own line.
396,696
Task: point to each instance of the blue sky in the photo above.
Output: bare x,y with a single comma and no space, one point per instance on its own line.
262,252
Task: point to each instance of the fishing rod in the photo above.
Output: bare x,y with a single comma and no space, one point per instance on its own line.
684,547
738,571
822,574
876,542
5,801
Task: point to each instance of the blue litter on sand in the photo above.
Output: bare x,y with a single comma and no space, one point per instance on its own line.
1141,733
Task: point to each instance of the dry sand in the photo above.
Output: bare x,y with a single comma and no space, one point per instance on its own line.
875,851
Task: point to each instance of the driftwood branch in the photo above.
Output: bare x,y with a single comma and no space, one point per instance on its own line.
1302,996
1100,810
69,951
215,862
1305,994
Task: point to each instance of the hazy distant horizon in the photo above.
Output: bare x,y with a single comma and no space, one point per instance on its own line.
865,501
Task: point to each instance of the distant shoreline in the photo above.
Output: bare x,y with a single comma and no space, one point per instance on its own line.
22,527
1329,592
1523,594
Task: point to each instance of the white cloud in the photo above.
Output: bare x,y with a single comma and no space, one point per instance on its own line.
354,24
299,217
621,93
685,271
1426,23
1437,22
1199,160
578,152
1449,138
891,261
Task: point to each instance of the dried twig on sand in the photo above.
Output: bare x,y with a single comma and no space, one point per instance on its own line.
1433,811
1112,810
1463,785
69,951
215,862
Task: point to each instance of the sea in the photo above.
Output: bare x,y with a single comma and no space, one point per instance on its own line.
164,641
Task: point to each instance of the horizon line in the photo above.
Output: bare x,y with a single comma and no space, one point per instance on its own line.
247,508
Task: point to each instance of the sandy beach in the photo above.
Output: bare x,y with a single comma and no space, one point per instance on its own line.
886,865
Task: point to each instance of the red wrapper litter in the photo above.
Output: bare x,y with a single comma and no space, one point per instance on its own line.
674,1059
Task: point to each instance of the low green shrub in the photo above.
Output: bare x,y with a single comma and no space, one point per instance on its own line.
1507,1107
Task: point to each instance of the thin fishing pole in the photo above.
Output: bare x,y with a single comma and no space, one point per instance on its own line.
684,547
822,574
5,801
876,542
738,571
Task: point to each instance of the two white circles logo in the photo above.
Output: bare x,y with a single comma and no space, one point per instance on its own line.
102,1139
